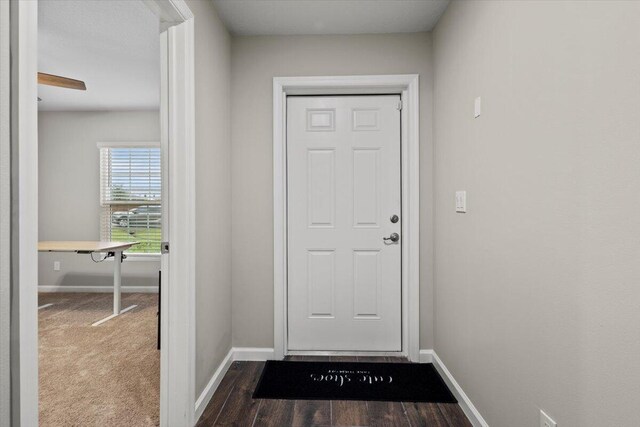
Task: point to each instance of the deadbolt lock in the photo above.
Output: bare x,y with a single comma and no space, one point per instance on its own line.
394,218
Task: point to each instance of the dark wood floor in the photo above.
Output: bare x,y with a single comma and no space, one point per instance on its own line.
232,405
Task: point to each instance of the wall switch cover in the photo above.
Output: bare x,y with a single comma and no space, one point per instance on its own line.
56,265
546,421
461,201
477,107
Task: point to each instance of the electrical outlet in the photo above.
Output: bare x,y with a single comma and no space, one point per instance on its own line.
546,421
56,265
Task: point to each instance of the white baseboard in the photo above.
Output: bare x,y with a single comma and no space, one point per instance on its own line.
98,289
426,356
262,354
253,353
212,385
430,356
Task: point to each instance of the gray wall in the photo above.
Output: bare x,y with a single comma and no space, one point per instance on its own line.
69,192
537,297
213,192
255,61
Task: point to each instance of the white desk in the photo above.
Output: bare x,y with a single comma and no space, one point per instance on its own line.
116,248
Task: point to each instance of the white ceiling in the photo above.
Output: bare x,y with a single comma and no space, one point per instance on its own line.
113,46
285,17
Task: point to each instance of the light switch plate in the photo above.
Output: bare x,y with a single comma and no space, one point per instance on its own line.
546,421
477,107
461,201
56,265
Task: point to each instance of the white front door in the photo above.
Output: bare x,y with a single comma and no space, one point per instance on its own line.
343,180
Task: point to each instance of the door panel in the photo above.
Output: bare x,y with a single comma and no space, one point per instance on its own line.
321,189
366,189
343,185
321,282
366,280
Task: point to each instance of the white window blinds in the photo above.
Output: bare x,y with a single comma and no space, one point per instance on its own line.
131,196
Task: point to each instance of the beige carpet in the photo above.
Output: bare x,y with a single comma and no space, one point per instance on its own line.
107,375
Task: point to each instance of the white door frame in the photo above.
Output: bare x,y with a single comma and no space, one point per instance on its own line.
177,366
5,216
408,87
177,119
24,221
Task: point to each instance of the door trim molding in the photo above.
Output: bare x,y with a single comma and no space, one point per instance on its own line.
178,327
24,205
407,85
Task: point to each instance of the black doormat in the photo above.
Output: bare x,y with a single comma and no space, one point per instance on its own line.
394,382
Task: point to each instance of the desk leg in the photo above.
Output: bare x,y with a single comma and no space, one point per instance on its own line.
117,281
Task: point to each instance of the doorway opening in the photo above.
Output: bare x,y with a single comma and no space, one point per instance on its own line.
175,37
100,213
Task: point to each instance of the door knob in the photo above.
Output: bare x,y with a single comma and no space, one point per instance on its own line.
394,237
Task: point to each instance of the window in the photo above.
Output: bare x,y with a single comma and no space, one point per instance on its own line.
131,195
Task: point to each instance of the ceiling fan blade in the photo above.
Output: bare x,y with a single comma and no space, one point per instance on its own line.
51,80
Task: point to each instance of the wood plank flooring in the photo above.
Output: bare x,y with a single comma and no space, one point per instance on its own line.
232,405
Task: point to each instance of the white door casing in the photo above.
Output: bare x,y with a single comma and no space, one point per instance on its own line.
343,187
177,361
408,85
